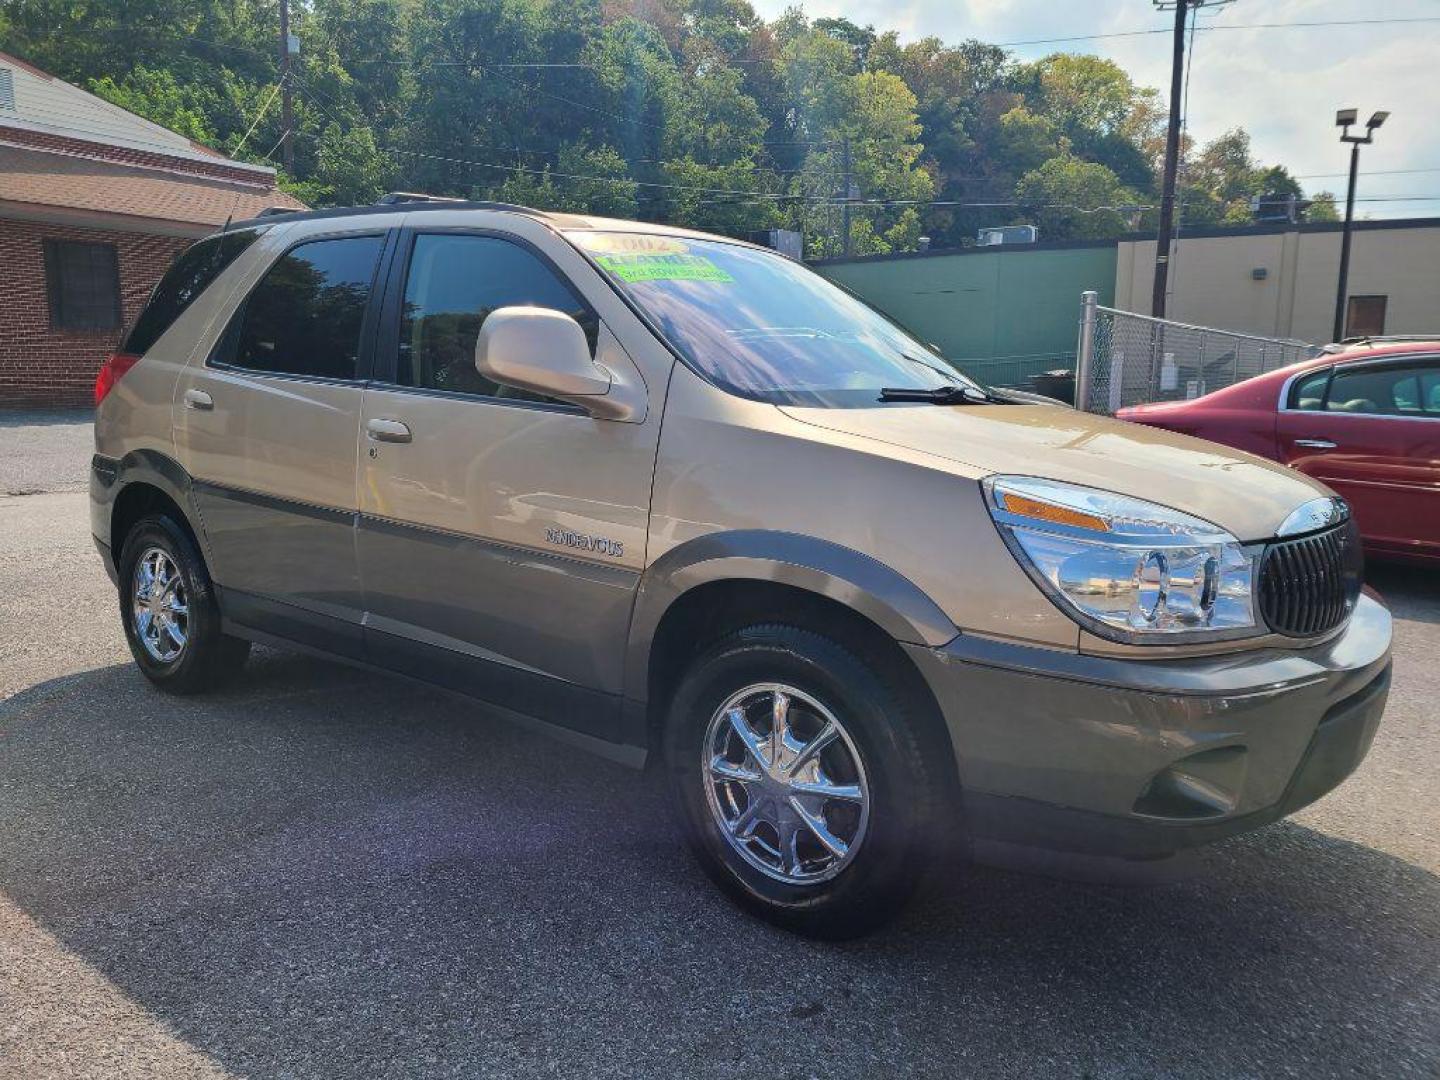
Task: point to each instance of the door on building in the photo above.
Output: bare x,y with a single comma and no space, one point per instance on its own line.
267,426
1371,431
1365,316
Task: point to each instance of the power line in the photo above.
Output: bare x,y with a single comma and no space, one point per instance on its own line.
538,65
1204,29
258,117
1363,172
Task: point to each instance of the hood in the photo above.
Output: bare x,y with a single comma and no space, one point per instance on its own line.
1244,494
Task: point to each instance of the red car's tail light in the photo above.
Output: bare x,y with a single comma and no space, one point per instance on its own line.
115,366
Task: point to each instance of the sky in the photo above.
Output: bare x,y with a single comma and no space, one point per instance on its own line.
1282,84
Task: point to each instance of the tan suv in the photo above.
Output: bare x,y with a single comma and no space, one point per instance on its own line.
692,504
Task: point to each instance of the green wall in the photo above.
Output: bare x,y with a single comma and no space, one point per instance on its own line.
1002,313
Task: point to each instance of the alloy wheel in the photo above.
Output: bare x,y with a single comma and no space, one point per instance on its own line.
159,606
785,783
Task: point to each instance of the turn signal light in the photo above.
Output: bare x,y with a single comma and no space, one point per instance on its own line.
115,366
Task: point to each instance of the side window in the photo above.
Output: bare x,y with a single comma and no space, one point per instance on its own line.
188,277
1401,390
453,283
304,316
1308,391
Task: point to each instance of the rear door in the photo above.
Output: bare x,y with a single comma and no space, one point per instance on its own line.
1371,431
266,425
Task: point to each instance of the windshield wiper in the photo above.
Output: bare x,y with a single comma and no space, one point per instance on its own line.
941,395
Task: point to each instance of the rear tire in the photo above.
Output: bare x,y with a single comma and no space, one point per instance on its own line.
168,610
856,856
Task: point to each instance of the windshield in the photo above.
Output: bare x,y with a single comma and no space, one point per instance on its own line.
762,326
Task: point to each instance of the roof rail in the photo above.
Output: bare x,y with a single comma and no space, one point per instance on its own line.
273,211
1385,339
383,207
393,198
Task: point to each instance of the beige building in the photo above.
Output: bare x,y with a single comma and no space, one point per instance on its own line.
1280,281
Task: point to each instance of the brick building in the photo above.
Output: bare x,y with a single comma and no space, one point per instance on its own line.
94,203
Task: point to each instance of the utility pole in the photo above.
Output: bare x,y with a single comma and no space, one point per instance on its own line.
1343,119
1172,157
1182,9
286,114
845,151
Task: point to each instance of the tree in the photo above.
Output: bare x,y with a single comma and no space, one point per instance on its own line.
1026,141
349,167
691,111
1322,207
1073,199
158,96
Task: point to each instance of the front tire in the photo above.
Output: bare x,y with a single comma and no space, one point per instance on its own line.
797,770
168,609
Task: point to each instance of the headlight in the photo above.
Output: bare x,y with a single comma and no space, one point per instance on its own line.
1126,569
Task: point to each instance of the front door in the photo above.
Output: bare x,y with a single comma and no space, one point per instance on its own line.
501,534
267,427
1372,432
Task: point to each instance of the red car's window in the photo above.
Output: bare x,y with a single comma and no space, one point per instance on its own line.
1308,393
1398,390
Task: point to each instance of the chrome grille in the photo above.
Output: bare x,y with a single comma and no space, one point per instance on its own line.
1308,586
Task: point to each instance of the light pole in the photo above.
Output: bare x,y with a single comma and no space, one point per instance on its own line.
1344,119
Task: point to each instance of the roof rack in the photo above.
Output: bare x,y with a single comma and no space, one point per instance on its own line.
430,202
395,198
1386,339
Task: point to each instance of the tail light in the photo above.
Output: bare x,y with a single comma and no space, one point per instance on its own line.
115,366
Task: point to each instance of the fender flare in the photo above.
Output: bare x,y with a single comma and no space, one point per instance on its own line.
165,474
883,595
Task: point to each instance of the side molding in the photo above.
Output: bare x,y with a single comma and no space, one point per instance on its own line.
883,595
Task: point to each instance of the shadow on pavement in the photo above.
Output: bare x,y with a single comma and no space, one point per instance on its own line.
1412,592
324,873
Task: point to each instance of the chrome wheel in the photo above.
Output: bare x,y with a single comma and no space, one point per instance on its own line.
785,783
159,609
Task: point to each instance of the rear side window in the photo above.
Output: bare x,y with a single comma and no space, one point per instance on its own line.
304,316
1401,390
453,283
188,277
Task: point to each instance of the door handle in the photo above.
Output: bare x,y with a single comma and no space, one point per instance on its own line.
384,430
199,400
1315,444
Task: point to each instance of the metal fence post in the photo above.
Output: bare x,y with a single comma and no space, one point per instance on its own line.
1085,349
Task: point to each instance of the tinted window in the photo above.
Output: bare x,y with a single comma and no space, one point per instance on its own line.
763,326
83,285
1309,390
1402,390
304,317
453,283
188,277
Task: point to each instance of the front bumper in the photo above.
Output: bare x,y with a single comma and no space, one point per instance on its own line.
1140,758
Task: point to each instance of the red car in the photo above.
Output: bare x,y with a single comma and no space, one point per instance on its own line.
1364,420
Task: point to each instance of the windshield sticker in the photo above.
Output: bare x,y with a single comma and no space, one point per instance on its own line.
629,243
633,268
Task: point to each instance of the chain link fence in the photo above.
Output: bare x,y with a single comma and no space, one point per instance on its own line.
1128,359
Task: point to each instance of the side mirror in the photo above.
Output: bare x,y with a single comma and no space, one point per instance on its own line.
542,350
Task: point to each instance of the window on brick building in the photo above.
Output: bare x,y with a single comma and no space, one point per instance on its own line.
83,284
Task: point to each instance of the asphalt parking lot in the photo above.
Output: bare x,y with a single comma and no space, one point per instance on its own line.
323,873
